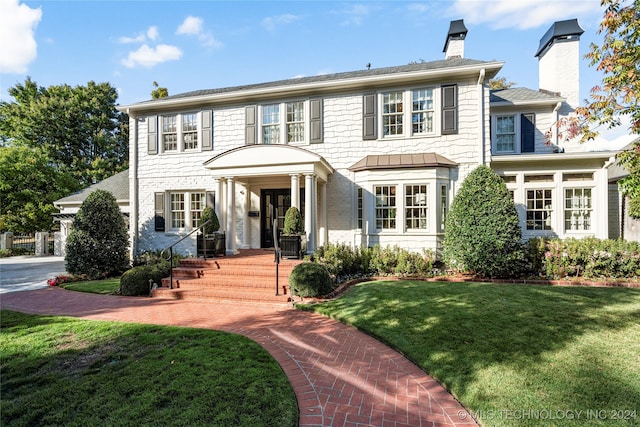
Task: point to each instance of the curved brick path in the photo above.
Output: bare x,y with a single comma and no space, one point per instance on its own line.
341,377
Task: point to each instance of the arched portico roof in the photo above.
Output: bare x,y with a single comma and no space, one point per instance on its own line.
268,160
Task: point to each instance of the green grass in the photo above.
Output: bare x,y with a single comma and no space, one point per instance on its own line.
106,286
63,371
501,349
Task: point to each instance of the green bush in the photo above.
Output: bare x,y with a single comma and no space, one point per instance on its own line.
135,282
98,243
293,223
482,230
342,260
310,279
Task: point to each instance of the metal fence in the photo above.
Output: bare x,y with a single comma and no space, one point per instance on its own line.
25,244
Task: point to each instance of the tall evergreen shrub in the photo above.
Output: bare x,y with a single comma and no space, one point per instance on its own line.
482,231
98,244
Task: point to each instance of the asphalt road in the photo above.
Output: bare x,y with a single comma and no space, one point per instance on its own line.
24,273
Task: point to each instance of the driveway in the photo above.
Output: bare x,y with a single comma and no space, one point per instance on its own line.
23,273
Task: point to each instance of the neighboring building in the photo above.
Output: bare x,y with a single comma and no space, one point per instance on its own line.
370,157
118,185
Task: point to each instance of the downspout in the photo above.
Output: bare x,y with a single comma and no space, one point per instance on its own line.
481,139
556,131
133,184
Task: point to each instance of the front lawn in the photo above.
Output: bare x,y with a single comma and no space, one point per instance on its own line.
105,286
63,371
512,354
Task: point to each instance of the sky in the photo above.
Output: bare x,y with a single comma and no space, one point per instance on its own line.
208,44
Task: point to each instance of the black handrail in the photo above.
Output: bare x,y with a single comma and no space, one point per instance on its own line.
170,248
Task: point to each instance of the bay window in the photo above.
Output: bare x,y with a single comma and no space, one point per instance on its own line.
385,207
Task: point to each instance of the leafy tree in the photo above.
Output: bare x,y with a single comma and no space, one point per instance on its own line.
482,231
500,83
29,184
159,92
98,245
79,128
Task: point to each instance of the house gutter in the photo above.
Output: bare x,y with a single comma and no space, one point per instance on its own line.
481,137
133,183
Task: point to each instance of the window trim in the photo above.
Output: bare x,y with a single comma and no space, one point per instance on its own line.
283,122
155,144
407,113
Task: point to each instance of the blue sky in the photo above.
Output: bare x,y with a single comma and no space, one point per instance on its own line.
191,45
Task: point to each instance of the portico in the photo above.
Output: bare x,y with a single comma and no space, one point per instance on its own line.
243,179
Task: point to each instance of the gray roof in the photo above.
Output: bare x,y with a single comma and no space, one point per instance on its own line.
423,66
522,95
118,185
560,29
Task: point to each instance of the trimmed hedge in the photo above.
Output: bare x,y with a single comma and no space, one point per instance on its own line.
310,279
135,282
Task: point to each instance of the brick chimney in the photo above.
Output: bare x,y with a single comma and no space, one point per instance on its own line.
454,45
559,61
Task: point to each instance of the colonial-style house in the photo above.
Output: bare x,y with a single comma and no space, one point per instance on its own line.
372,156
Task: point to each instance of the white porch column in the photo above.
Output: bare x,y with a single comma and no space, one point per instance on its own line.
323,227
310,212
231,216
219,202
295,191
246,239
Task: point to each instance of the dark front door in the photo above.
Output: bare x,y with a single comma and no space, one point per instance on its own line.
274,203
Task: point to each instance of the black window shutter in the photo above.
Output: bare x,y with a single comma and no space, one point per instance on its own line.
369,122
152,135
449,109
250,125
207,130
316,120
159,211
528,132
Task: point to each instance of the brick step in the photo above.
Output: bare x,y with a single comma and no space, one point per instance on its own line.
254,271
223,294
227,281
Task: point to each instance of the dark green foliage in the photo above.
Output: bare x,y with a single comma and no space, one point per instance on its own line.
135,282
98,244
310,279
482,231
208,214
293,223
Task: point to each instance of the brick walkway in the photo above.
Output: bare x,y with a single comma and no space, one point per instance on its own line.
341,376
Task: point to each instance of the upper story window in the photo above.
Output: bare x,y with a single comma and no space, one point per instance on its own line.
271,124
295,121
422,111
190,131
514,133
505,134
392,113
169,133
175,133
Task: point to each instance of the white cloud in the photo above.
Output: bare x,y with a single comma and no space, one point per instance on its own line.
193,26
271,23
355,14
17,43
148,57
521,14
151,34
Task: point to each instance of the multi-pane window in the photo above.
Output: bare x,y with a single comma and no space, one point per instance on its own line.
392,113
271,124
385,207
422,111
197,205
443,206
577,209
169,133
190,131
177,210
360,202
415,206
539,208
505,134
295,121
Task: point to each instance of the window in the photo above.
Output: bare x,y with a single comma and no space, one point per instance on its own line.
415,206
295,121
385,207
577,209
443,206
505,134
185,209
271,124
359,204
539,208
190,131
392,112
169,133
422,111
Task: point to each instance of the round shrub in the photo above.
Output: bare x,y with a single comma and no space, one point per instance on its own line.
135,282
310,280
482,230
293,223
208,214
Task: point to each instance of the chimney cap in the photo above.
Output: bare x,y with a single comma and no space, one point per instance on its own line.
457,31
559,29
